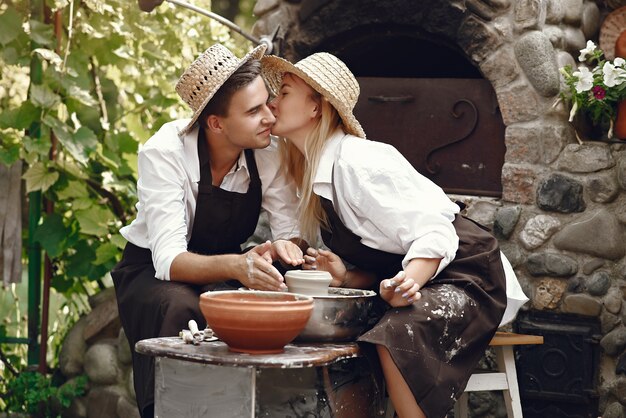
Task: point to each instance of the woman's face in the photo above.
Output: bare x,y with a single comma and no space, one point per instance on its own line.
295,110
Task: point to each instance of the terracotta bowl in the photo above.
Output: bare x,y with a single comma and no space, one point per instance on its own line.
256,322
308,282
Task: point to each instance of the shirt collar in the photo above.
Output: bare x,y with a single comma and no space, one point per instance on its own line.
324,175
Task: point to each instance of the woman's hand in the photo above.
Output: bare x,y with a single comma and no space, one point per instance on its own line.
399,290
257,271
287,252
326,261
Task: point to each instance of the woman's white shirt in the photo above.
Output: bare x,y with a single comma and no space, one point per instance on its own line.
380,197
167,191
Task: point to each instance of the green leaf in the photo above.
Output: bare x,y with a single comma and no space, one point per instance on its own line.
94,220
11,24
119,241
80,263
74,189
82,203
51,234
86,138
72,143
62,283
39,178
43,96
106,252
40,146
49,56
41,33
82,96
9,147
19,118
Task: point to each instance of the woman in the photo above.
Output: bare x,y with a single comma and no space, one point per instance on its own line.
440,273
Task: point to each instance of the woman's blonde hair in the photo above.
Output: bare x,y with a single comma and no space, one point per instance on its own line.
303,167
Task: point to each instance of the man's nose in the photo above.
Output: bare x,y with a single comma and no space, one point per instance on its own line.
269,117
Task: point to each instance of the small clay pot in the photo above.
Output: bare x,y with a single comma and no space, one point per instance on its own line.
308,282
256,322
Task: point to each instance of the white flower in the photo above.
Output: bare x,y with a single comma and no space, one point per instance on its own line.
585,79
613,76
588,50
619,62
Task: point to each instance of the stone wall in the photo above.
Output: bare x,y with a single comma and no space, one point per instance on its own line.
561,219
96,346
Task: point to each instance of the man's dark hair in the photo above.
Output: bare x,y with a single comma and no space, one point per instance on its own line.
219,103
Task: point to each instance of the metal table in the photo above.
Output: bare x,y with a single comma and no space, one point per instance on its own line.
306,380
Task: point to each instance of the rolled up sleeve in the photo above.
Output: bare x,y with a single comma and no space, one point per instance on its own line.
161,191
412,215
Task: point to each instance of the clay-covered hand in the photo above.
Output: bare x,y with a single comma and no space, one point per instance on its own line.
257,271
326,261
399,290
287,252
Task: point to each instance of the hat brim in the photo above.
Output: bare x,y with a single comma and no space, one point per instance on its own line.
274,68
256,53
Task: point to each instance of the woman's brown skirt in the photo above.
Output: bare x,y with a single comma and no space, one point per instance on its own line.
437,341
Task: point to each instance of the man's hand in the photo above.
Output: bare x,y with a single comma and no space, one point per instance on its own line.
399,290
287,252
326,261
257,271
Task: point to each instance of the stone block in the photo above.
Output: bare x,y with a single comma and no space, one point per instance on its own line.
535,54
582,305
518,103
518,183
101,364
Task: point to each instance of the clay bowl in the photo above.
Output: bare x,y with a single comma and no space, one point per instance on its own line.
308,282
256,322
341,315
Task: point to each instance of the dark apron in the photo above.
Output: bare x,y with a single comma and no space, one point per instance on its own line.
150,307
437,341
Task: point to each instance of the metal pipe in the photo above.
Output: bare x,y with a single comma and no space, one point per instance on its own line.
34,213
225,22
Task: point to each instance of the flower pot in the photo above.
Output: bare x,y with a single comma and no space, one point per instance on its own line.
586,130
619,130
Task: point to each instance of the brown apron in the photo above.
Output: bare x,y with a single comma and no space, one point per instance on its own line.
437,341
150,307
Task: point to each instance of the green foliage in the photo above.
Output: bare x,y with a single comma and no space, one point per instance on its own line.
96,93
76,105
35,394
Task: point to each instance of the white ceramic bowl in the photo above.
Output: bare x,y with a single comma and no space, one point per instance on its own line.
308,282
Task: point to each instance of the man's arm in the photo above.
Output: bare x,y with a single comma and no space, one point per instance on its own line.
253,269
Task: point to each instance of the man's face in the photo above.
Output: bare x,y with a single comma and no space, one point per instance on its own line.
249,119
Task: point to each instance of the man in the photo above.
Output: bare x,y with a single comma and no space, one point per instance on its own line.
201,188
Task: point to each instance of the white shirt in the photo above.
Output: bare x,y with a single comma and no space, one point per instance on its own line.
385,201
167,190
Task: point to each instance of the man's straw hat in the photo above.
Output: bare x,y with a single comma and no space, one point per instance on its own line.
206,74
327,75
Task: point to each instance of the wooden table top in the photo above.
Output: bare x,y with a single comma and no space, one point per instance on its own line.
216,352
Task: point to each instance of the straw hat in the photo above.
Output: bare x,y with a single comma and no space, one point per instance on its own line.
327,75
206,74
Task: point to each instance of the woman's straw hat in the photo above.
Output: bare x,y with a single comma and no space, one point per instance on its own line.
205,76
327,75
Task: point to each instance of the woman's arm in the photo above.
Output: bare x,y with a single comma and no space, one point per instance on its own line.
403,289
342,277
